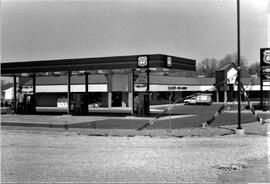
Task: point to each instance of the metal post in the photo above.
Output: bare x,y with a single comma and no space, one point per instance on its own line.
34,92
109,89
148,80
132,91
170,100
86,91
261,83
148,91
68,92
225,93
239,66
217,95
14,94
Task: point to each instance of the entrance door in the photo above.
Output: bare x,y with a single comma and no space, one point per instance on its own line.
79,103
117,99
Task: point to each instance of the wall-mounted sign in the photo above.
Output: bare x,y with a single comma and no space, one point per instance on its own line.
231,76
176,88
140,87
169,62
142,62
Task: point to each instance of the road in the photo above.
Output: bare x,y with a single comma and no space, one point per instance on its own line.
60,157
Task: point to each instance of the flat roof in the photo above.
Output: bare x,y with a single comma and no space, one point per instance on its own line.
97,63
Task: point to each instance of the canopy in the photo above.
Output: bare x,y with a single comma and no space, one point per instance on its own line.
98,63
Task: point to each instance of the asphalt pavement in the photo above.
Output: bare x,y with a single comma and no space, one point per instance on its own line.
181,117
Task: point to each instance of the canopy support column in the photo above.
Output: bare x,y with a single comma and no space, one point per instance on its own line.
109,88
34,93
147,97
86,93
14,94
217,95
132,91
68,92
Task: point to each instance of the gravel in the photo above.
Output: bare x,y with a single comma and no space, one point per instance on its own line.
39,156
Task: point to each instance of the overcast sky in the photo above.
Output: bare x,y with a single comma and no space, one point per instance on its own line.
195,29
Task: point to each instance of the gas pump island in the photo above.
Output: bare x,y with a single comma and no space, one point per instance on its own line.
133,83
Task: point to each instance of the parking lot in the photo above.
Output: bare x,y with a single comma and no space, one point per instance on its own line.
182,116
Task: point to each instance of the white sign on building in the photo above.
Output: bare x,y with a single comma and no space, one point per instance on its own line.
231,76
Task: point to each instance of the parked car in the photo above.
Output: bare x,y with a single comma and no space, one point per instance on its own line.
204,99
190,101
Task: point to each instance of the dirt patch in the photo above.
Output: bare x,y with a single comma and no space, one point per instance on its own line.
231,167
255,171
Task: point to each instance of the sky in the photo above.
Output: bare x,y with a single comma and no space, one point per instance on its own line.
196,29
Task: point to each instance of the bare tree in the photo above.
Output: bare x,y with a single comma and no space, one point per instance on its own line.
254,69
232,58
207,67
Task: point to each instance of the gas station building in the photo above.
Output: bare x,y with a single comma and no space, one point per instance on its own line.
79,84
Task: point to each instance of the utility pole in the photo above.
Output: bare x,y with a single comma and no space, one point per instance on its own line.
239,129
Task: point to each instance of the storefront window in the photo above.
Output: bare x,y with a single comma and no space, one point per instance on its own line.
163,96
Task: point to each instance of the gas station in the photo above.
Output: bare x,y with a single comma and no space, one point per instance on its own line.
120,72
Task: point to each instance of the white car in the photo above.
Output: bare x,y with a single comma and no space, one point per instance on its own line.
204,99
190,101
